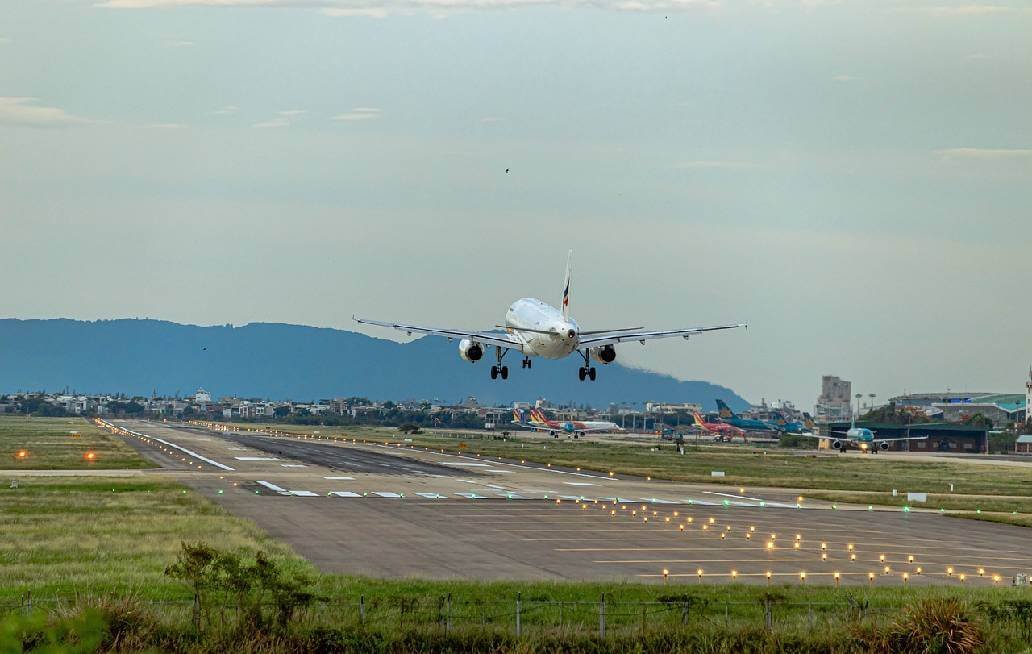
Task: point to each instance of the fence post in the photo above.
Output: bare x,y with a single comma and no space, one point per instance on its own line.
361,609
447,615
809,613
28,600
644,617
768,617
602,617
518,625
561,615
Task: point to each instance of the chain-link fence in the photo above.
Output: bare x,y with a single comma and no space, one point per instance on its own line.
604,617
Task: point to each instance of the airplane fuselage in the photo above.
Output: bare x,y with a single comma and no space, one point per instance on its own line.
860,435
542,329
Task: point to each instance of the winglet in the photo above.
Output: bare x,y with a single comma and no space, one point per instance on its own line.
566,285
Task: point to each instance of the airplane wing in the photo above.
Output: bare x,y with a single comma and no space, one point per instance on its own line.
903,438
823,438
527,425
500,339
614,337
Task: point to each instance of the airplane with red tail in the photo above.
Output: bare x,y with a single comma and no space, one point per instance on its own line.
577,428
720,428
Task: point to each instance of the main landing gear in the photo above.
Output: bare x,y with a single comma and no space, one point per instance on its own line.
527,363
587,371
498,370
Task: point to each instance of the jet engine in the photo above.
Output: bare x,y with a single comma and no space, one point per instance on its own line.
884,445
470,350
836,445
605,354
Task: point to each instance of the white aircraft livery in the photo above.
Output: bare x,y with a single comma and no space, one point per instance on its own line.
534,328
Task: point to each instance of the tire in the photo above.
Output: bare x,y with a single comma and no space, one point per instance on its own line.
591,374
505,372
494,372
582,373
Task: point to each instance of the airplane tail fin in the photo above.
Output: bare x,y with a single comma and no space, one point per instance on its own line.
698,419
519,417
535,417
566,285
725,410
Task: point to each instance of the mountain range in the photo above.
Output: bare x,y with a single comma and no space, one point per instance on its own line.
281,361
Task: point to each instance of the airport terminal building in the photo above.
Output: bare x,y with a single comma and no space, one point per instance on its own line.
942,437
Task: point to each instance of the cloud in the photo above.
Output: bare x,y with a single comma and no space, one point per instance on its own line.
25,112
284,118
271,124
177,43
962,10
844,78
359,113
228,110
165,126
715,164
985,154
4,40
384,8
487,120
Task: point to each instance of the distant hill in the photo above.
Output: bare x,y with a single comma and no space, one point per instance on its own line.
278,361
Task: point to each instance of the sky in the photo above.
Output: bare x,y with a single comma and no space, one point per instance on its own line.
851,178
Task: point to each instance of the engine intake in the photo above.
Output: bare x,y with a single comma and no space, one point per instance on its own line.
836,445
605,354
884,445
470,350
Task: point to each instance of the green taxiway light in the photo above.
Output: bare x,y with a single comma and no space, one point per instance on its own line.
906,509
870,508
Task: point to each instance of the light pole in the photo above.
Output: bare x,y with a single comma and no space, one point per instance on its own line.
858,396
872,396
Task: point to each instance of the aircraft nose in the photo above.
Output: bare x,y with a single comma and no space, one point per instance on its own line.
572,333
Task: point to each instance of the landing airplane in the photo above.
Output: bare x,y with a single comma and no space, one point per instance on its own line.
862,439
539,422
721,428
534,328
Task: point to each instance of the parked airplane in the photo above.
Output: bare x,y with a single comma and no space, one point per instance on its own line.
862,439
721,428
540,422
534,328
732,418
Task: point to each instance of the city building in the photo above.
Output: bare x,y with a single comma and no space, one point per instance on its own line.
1002,409
835,400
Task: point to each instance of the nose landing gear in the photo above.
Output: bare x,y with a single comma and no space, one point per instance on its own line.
527,362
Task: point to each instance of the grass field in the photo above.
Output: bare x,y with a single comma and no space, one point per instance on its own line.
28,443
88,535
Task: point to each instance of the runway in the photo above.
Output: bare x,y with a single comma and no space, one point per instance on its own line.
390,511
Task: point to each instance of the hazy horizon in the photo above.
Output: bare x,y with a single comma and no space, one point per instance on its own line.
850,178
